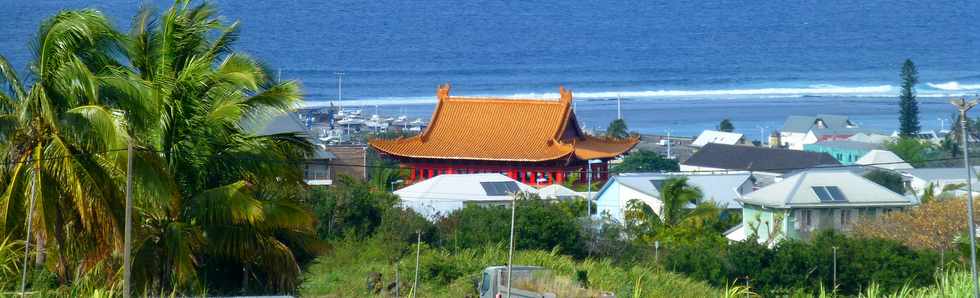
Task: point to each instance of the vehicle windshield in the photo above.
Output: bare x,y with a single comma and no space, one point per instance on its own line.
485,284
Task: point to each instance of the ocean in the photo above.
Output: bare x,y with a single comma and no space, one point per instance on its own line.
680,65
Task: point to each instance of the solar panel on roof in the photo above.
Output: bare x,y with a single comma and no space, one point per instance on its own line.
836,194
500,188
822,193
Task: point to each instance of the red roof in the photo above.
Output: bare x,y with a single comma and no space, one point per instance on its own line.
501,129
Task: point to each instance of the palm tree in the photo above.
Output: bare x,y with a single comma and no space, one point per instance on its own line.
229,198
677,198
210,195
60,143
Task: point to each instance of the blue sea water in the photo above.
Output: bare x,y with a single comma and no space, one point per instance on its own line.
678,65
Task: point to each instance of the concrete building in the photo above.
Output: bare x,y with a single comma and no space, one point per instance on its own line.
718,137
722,189
814,200
798,131
441,195
846,152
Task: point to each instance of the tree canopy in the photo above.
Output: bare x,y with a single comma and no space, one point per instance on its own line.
617,129
645,161
215,205
726,125
908,118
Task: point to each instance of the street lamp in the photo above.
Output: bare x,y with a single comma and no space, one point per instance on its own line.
588,201
963,105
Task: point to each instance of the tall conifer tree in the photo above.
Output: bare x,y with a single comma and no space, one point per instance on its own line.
909,115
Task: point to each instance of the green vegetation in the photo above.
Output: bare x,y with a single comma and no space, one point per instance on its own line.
447,273
908,118
642,160
888,179
214,206
726,125
914,151
617,129
219,210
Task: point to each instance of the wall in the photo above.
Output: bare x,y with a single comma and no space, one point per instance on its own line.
351,161
616,197
844,156
754,215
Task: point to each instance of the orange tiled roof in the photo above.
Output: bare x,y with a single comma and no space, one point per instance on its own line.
504,130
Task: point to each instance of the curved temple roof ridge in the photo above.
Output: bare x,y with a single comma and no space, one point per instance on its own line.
487,128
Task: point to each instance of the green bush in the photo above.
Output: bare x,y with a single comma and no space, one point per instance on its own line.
444,273
349,206
540,225
803,266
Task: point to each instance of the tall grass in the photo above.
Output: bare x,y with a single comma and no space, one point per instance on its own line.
342,272
948,284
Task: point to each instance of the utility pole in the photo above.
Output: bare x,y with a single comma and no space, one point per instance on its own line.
340,89
30,214
619,107
835,270
963,105
418,255
668,145
397,281
510,254
128,239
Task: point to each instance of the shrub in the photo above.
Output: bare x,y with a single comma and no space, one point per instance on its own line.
349,206
540,225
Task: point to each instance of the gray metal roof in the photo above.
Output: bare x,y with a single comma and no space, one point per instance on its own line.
852,145
760,159
276,124
803,124
719,188
936,174
320,153
797,191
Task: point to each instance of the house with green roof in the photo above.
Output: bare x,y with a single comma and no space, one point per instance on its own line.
846,152
814,200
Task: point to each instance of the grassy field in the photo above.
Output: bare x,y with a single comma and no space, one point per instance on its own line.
346,269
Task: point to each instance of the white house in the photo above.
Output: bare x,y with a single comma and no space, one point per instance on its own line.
718,137
559,192
614,197
440,195
801,130
813,200
919,179
870,137
883,159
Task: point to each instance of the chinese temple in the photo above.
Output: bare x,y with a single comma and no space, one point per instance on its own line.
534,141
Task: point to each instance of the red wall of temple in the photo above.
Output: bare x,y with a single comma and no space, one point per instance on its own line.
537,175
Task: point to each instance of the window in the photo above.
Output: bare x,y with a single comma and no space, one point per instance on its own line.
844,216
316,171
807,217
485,284
425,173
